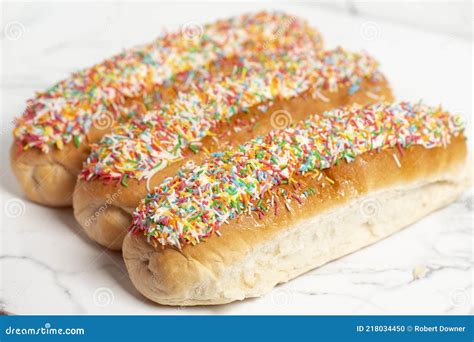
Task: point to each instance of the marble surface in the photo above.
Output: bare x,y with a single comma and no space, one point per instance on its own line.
439,16
49,267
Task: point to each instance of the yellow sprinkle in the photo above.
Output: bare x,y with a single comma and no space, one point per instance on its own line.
274,87
68,113
59,144
329,180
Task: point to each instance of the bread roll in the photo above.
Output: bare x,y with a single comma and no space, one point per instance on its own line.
52,137
246,220
259,96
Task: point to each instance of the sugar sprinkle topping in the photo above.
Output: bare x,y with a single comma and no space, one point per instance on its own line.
190,207
149,143
66,112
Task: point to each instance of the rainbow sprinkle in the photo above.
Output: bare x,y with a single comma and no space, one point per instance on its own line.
147,144
188,208
66,111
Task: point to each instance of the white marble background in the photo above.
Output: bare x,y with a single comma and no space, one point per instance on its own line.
49,267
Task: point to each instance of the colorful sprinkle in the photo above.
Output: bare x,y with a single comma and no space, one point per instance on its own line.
190,207
114,89
136,147
396,160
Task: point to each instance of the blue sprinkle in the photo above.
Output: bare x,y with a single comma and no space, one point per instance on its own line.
353,89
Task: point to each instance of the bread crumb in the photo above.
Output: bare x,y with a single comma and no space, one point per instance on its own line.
419,272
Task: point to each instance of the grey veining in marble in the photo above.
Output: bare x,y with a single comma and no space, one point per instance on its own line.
48,266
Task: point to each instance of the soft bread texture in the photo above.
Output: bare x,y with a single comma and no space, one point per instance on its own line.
104,209
49,178
371,198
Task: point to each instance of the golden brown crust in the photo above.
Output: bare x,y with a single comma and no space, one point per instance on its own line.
94,196
50,178
173,277
370,172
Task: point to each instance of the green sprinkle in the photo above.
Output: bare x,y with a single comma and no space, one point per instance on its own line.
194,148
123,181
77,141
